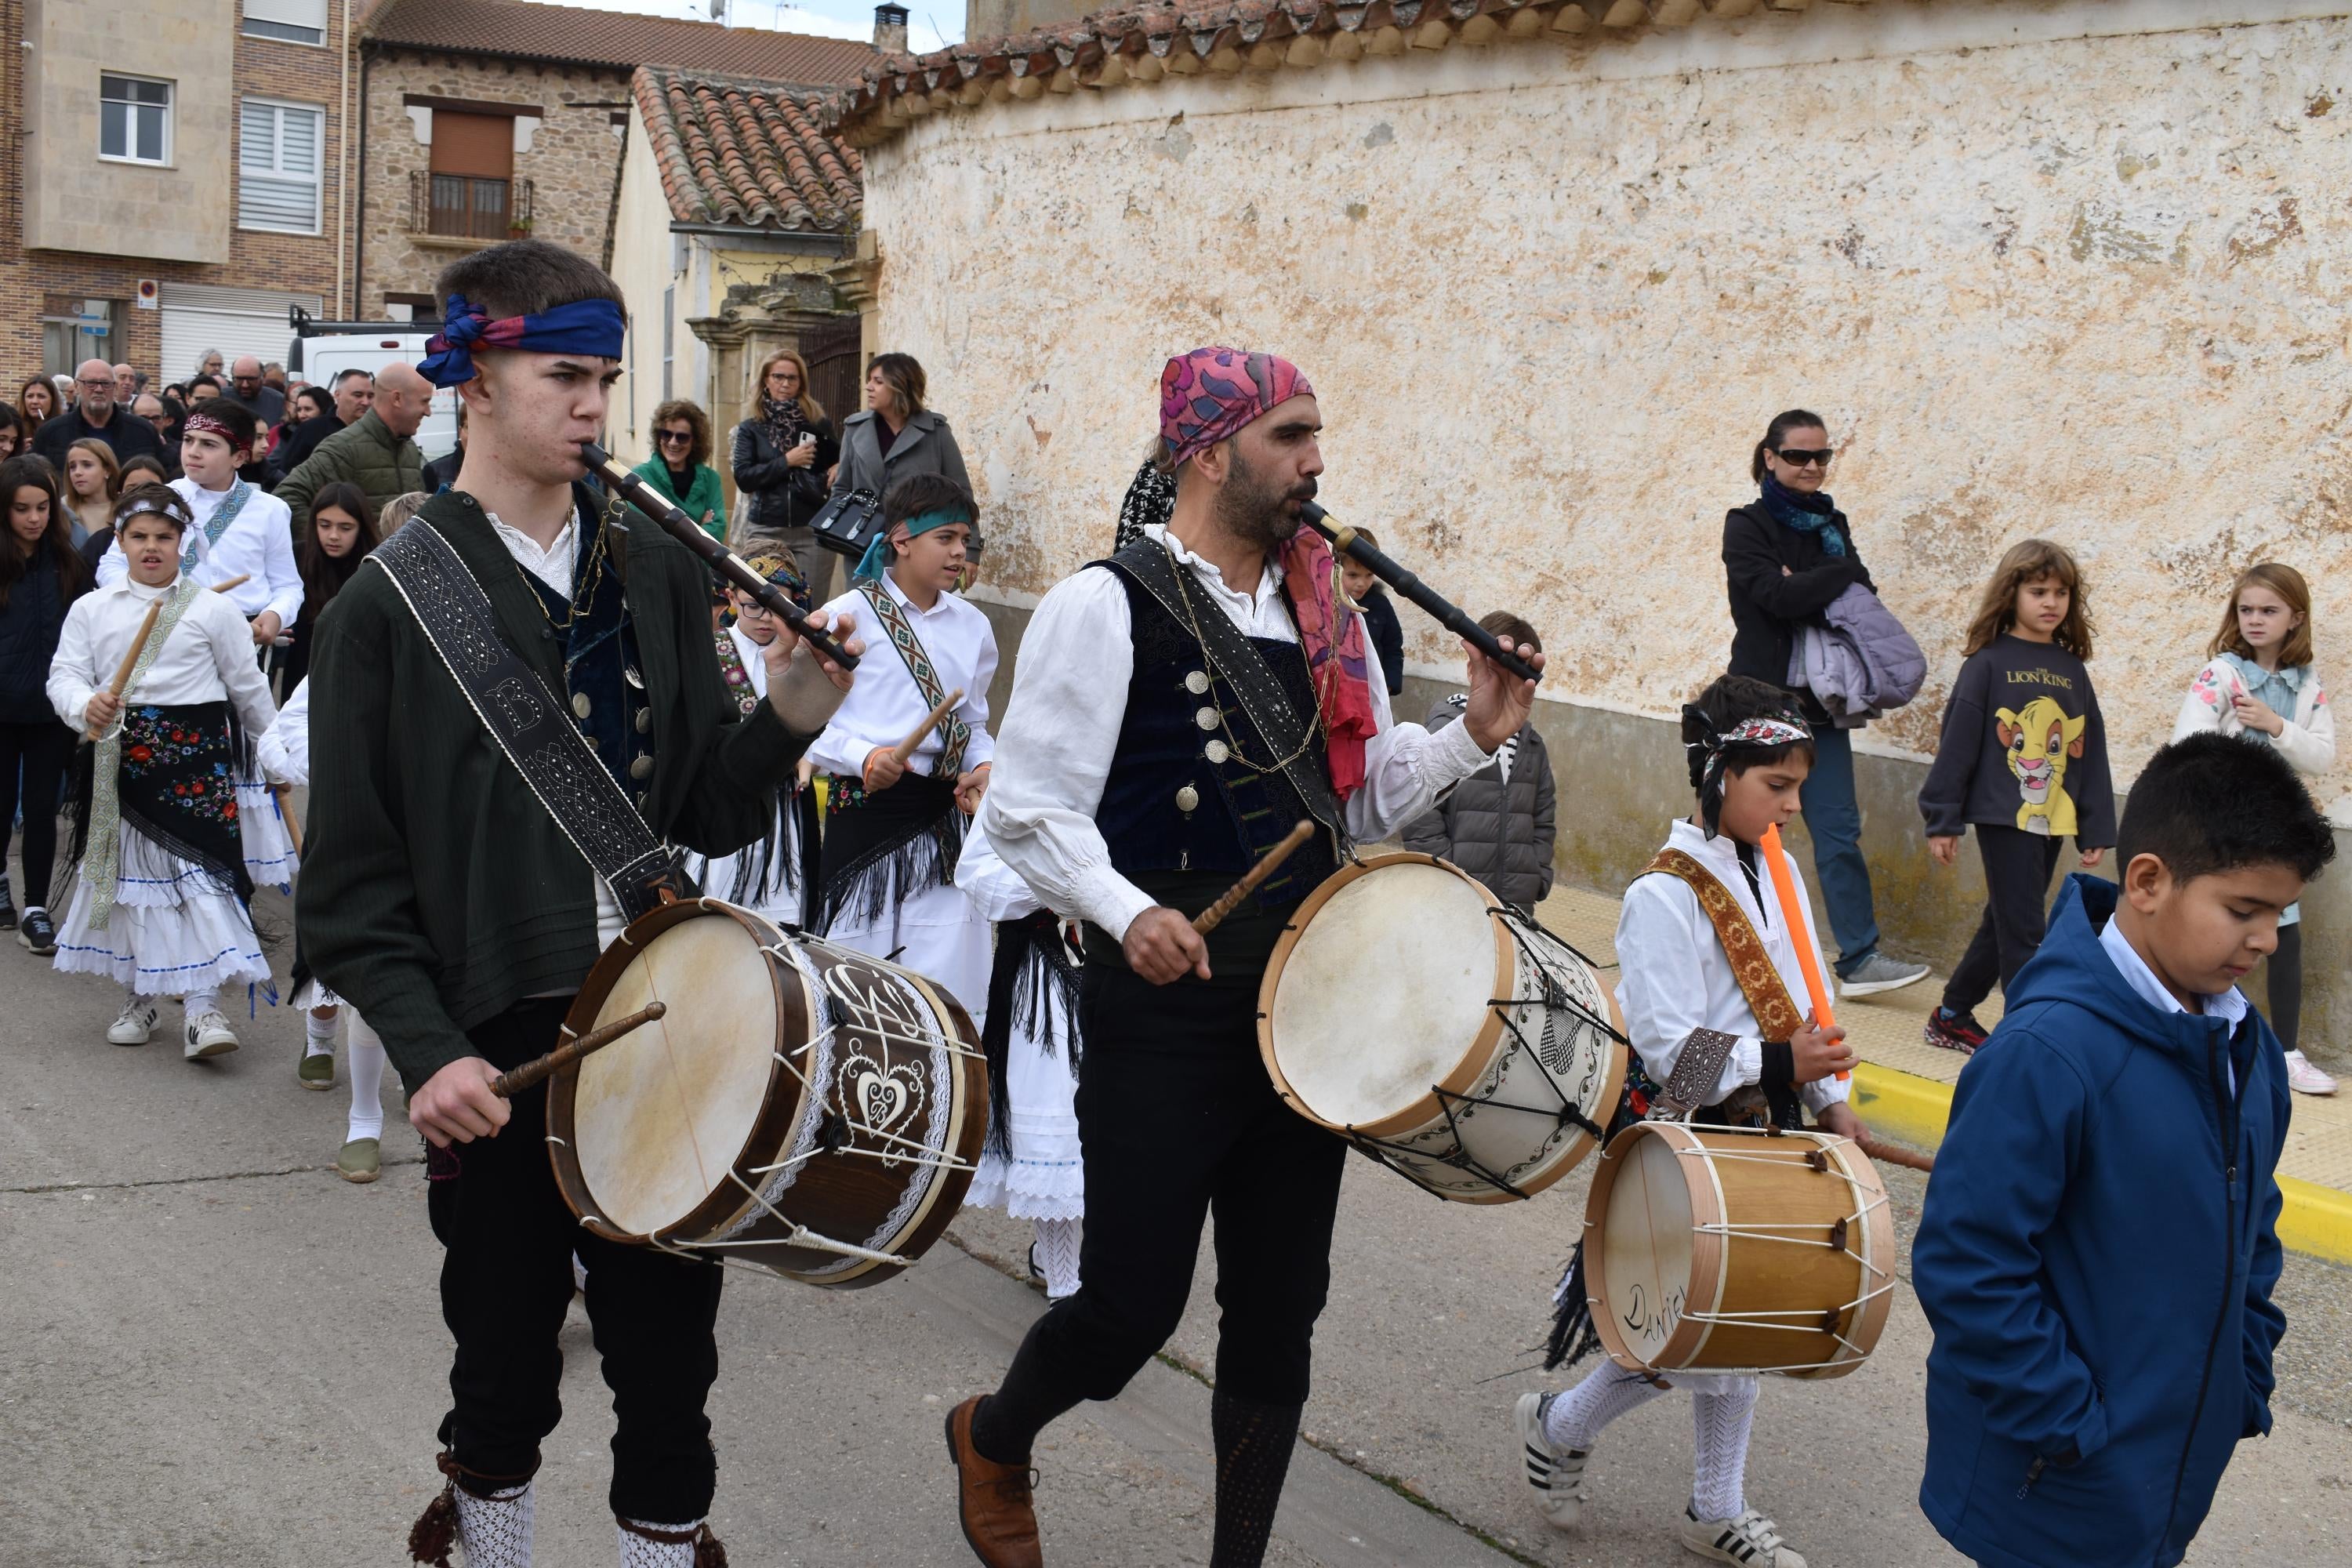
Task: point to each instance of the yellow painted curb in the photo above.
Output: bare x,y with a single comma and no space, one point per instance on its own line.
2313,1220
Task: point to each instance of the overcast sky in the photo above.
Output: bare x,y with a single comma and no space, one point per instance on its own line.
930,23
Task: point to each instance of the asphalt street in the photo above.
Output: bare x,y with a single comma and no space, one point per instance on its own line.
219,1354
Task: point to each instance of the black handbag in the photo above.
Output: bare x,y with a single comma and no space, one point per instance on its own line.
850,523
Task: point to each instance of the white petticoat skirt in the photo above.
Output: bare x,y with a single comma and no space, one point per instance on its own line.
1046,1178
937,934
172,931
269,857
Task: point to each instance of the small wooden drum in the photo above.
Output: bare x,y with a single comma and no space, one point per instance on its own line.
801,1107
1724,1249
1446,1035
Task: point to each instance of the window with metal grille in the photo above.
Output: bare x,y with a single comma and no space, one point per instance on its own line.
473,168
278,165
134,120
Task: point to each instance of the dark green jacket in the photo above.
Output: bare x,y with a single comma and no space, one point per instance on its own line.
436,891
366,454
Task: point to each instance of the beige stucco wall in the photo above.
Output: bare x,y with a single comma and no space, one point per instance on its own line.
74,200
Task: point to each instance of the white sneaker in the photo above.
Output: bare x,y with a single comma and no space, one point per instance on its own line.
2304,1078
1752,1541
206,1035
135,1025
1556,1474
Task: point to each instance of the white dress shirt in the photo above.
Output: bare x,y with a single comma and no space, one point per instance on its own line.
285,751
884,703
2231,1006
1675,977
208,657
1061,729
257,546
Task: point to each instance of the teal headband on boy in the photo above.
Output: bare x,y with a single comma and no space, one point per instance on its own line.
878,554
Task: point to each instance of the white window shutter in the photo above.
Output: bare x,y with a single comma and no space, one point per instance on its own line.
278,165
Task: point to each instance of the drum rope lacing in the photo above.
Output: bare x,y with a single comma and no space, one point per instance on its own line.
1568,1113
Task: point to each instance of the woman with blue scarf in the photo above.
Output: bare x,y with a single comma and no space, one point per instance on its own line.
1787,557
2261,682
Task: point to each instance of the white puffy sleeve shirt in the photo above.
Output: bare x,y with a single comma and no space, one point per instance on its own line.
207,659
1674,977
1061,728
884,704
285,750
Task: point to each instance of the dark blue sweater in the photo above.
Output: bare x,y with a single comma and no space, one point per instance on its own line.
2097,1258
29,626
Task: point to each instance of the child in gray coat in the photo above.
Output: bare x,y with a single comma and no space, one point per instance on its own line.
1496,824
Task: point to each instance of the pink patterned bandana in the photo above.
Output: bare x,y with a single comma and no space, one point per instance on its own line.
1211,394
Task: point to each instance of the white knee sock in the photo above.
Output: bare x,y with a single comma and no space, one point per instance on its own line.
495,1530
366,1053
1720,1423
1058,1254
638,1551
1576,1418
319,1034
197,1003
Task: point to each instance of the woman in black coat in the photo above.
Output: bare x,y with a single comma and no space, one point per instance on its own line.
40,576
783,450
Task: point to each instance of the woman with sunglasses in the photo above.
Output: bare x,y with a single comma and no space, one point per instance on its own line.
680,467
1787,555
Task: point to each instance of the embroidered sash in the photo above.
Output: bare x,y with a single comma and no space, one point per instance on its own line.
102,859
955,734
1700,1066
223,515
737,679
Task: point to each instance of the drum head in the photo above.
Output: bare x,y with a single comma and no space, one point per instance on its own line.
660,1116
1384,991
1645,1242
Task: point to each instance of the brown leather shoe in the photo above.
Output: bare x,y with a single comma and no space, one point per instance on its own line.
993,1501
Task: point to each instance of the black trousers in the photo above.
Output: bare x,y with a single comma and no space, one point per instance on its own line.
506,1283
40,751
1180,1124
2282,972
2018,865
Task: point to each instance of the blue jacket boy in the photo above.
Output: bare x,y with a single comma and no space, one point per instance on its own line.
2097,1258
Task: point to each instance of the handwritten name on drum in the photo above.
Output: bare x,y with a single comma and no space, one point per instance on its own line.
1647,1327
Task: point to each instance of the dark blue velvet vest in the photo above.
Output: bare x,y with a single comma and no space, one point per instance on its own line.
1163,762
600,657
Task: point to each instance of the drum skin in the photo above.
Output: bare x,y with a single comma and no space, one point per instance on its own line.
1660,1273
1377,1019
676,1125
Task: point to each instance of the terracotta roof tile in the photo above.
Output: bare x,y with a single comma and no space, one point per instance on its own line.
743,151
568,35
1141,41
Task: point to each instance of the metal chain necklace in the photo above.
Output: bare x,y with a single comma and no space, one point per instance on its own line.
1233,743
576,604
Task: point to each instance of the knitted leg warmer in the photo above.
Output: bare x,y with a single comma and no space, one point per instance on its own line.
1720,1423
1058,1254
645,1544
1575,1419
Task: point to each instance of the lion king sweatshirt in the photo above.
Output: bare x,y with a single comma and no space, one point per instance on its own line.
2022,747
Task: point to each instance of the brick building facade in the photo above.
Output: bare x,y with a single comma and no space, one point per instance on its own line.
79,230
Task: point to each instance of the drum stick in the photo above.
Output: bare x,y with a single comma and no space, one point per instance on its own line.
1896,1154
238,581
904,751
122,680
1208,919
1784,888
510,1084
285,793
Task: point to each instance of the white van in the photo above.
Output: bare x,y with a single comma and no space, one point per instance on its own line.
323,350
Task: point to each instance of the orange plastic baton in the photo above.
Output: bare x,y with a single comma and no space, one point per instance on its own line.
1784,888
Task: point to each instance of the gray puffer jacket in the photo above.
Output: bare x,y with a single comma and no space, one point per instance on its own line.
1499,831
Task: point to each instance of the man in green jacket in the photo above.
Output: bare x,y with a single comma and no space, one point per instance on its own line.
440,897
375,453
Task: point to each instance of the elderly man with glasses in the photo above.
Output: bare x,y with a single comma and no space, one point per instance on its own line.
98,416
247,386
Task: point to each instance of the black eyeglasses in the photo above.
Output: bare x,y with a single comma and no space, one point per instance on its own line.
675,438
1797,458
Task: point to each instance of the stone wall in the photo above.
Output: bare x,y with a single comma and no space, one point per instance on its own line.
2066,269
569,147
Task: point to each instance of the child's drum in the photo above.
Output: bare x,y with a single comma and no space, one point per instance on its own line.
1445,1035
1724,1249
801,1106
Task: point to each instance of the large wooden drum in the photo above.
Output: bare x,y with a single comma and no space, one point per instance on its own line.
1449,1037
1722,1249
801,1107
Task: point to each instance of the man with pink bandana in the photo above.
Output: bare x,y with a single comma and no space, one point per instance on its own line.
1249,702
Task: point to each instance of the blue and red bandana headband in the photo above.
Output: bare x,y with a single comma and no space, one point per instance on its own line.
594,328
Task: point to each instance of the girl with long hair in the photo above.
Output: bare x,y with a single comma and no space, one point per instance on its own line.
40,577
2259,680
341,531
93,480
2024,761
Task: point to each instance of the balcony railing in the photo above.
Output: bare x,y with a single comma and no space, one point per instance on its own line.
463,207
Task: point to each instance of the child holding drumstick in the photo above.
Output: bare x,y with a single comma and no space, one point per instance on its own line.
1716,1035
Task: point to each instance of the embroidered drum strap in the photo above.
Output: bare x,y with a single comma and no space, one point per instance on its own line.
955,734
1760,982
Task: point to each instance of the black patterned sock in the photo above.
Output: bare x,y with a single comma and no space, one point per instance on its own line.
1254,1443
